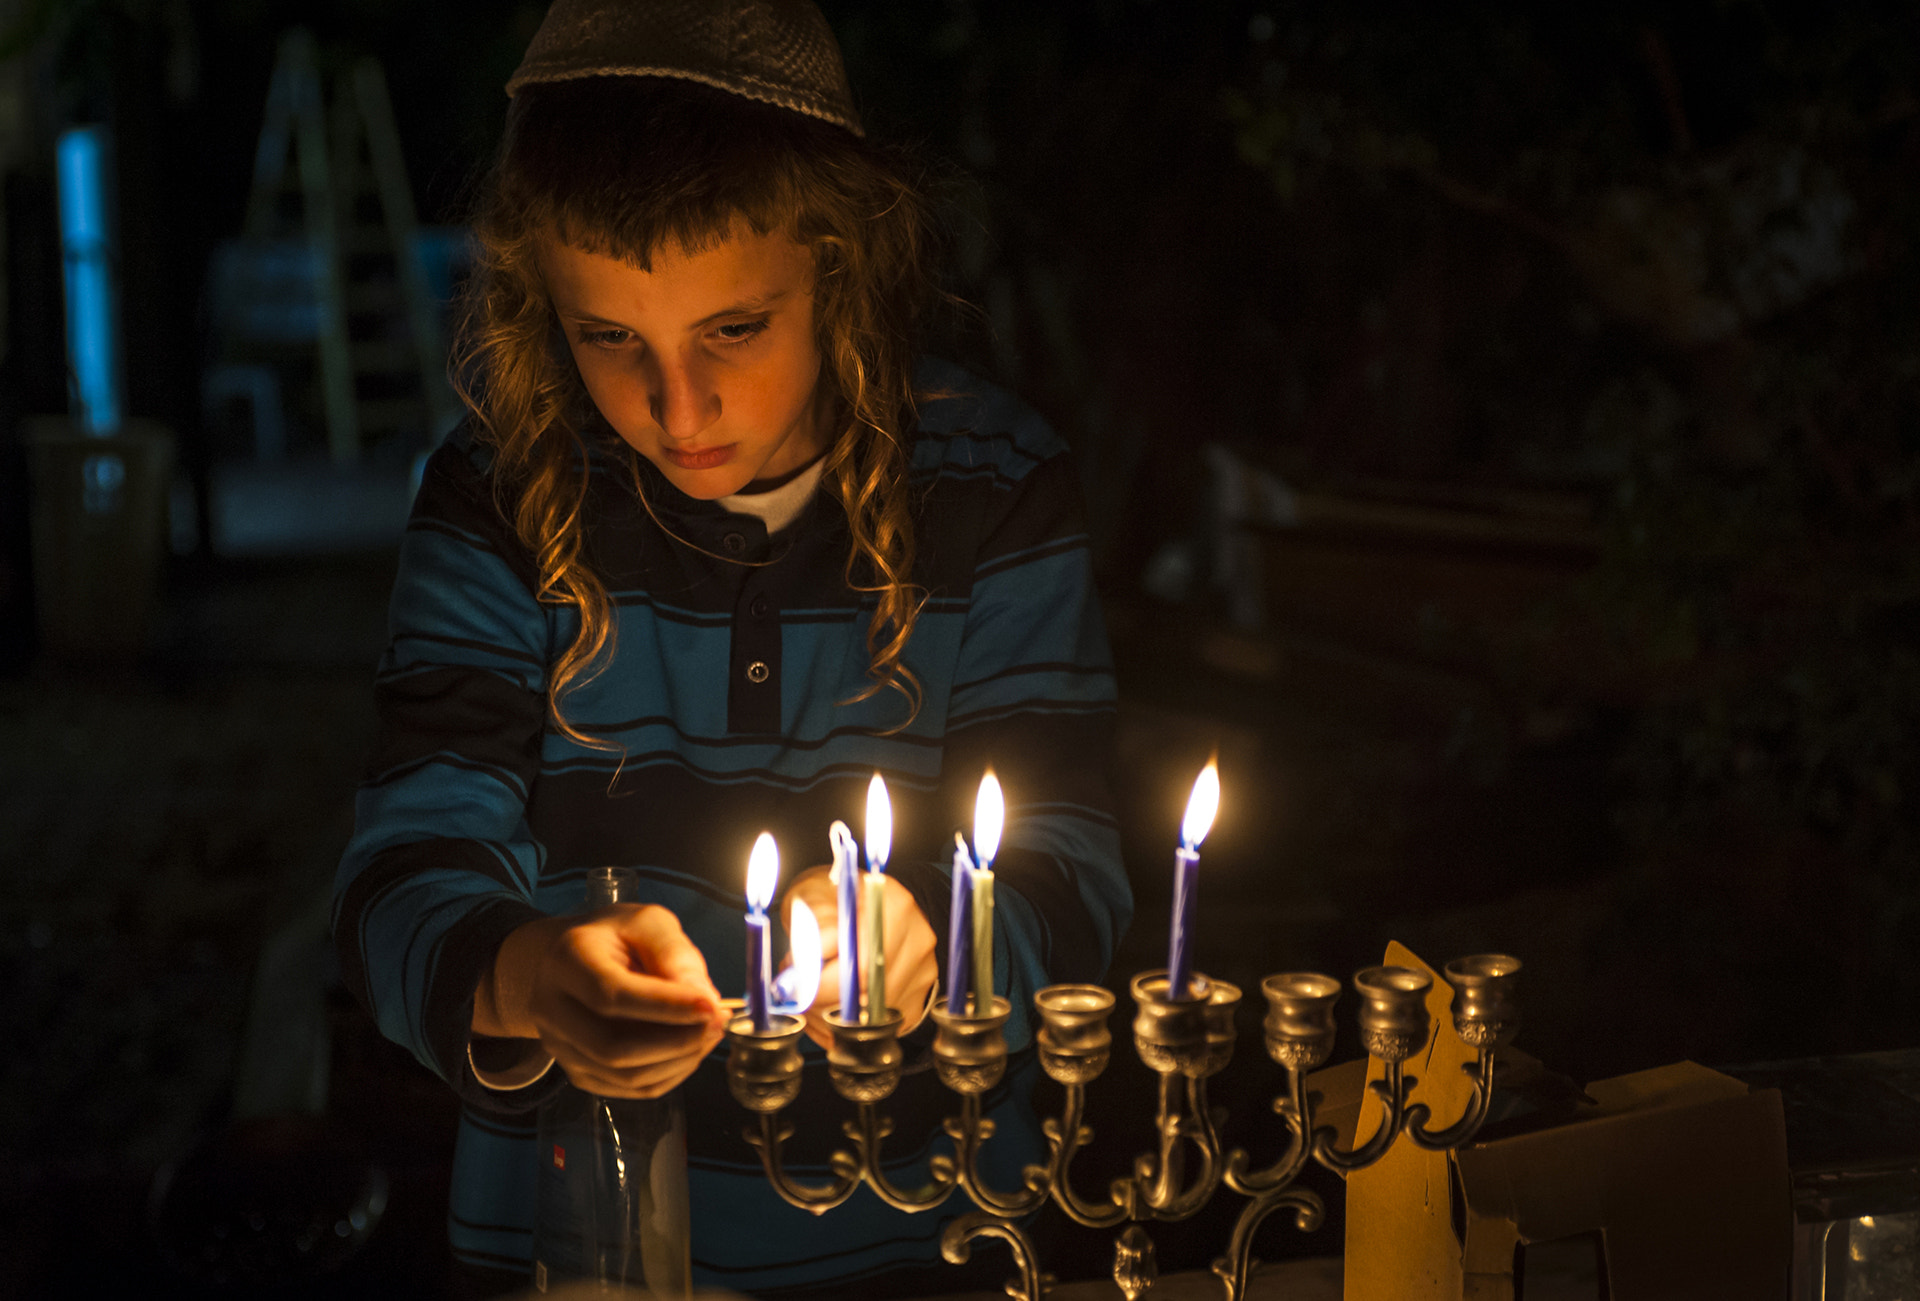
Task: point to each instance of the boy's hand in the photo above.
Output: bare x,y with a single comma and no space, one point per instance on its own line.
912,970
620,998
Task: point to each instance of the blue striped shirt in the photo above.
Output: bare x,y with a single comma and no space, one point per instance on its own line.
478,815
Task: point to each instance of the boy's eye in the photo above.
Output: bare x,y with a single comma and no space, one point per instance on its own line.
609,337
739,331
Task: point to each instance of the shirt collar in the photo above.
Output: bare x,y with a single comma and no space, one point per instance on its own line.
781,506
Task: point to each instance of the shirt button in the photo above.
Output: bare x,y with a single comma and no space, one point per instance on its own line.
760,607
734,542
757,671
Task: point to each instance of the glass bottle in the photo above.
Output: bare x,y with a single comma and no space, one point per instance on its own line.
612,1205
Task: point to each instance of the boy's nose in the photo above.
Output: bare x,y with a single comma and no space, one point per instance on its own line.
683,402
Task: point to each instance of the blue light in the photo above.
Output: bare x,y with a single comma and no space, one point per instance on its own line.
93,345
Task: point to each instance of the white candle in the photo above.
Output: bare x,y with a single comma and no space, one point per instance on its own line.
763,873
989,819
846,881
960,928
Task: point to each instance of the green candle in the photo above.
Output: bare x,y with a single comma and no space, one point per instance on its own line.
873,935
982,942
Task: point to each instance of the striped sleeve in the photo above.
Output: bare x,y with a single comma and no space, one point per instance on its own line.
1033,695
442,866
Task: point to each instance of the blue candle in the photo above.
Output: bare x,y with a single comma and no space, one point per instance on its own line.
1201,806
757,945
960,930
1179,958
763,873
846,882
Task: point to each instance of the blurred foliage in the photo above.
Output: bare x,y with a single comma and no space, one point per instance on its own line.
1660,255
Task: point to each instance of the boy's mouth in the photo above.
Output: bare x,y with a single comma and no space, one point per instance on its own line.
705,458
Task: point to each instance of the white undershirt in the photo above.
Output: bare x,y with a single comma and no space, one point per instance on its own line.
780,506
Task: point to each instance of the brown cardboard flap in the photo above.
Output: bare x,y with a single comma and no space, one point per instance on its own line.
1683,1084
1681,1169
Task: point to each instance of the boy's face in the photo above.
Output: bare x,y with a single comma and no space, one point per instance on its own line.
706,365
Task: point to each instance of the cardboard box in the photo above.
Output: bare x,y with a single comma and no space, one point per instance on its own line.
1681,1171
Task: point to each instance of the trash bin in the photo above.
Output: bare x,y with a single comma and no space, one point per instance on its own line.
99,531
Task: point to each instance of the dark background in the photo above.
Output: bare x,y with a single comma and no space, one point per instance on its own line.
1583,343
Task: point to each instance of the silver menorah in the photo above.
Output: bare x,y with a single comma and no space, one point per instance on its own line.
1185,1042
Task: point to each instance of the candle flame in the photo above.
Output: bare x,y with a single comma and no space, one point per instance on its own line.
989,818
797,986
1201,806
763,872
879,825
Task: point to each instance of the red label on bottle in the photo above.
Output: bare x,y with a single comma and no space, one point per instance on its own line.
559,1157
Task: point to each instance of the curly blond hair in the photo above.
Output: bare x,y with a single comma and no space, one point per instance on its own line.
620,166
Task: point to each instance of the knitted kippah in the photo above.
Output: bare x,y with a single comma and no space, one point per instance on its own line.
776,51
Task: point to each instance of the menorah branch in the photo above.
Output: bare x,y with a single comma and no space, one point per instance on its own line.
956,1246
817,1198
1185,1041
1292,1108
1065,1137
1470,1120
1234,1267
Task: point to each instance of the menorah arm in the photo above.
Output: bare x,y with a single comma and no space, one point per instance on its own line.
970,1132
956,1246
1234,1267
818,1198
1463,1129
1296,1109
1199,1126
867,1133
1392,1091
1066,1136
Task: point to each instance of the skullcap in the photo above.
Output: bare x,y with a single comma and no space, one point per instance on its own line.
775,51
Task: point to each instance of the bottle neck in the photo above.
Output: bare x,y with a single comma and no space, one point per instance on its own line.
607,886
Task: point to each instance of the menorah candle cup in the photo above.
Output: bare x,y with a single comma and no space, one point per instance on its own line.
763,1069
1486,1006
1170,1034
1299,1025
970,1052
1222,998
1075,1043
863,1061
1393,1011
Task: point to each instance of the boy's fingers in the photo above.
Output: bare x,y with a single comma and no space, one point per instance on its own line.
647,1082
667,958
829,995
641,997
635,1045
910,948
580,1039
